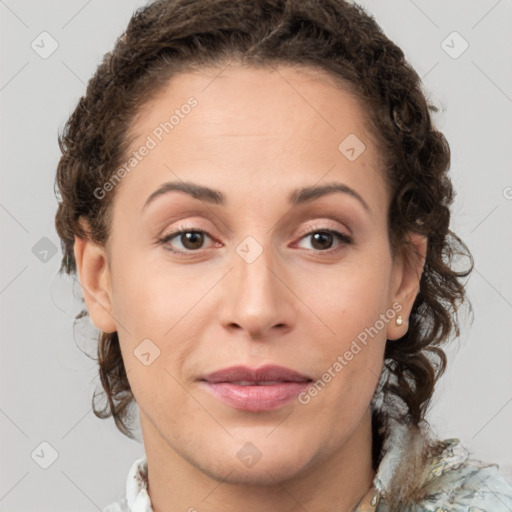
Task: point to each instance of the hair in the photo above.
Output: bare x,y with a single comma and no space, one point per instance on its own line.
169,36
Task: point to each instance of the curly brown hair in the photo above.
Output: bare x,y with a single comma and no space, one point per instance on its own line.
169,36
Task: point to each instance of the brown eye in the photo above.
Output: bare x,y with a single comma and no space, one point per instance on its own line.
323,239
190,239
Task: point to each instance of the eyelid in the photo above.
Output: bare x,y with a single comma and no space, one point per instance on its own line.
173,233
318,219
321,225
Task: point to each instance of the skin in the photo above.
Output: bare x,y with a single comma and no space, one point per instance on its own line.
255,135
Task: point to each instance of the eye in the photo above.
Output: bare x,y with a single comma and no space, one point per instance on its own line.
190,239
323,238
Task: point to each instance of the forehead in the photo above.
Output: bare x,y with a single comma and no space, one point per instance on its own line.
280,124
242,95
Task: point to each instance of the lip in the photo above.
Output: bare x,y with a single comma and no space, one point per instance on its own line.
284,384
268,372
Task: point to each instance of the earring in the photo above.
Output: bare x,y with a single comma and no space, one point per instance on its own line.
399,320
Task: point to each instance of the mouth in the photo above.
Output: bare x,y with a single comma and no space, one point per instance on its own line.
255,389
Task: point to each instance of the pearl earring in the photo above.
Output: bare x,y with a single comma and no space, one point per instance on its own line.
399,320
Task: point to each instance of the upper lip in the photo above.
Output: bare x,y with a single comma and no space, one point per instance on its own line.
263,373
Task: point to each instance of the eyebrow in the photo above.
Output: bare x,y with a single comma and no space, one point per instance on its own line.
209,195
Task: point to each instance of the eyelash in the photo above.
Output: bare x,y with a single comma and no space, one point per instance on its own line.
341,237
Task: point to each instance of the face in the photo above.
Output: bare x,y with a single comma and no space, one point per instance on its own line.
263,274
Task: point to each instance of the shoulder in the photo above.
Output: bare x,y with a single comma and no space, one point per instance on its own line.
419,473
118,506
135,497
455,482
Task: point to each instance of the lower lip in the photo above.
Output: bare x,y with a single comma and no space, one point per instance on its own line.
256,398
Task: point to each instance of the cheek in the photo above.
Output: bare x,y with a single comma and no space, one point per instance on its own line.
151,294
158,325
352,303
350,296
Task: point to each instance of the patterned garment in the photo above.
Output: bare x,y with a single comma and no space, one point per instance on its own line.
408,479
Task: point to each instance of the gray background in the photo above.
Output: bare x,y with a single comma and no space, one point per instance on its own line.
47,382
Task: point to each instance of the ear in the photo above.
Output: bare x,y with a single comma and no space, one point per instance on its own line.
94,275
407,270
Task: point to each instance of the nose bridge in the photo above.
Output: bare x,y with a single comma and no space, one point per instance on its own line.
257,300
253,265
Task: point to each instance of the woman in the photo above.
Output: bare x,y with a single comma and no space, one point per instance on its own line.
256,202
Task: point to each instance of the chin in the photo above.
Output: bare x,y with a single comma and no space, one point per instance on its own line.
262,473
259,463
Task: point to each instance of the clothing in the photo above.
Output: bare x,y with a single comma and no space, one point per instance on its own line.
409,478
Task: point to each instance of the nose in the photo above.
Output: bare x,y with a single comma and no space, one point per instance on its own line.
256,297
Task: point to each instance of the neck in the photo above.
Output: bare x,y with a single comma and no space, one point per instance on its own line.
337,482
